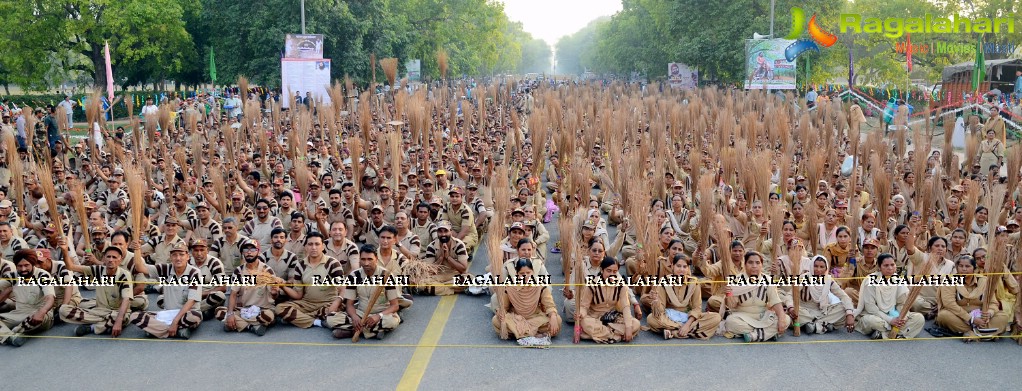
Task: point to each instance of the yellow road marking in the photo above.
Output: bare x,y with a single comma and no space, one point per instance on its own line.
427,344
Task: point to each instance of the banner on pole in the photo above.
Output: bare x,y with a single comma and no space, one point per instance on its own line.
305,46
301,76
414,68
766,66
681,76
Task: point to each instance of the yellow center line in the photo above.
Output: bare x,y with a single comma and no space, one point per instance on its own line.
427,344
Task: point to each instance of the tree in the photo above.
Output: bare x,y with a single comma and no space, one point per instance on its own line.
144,36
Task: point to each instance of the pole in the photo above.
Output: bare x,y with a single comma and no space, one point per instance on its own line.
303,17
772,3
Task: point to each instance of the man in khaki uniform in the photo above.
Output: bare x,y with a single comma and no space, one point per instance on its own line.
250,307
311,294
181,295
210,269
460,217
114,296
382,315
158,248
33,297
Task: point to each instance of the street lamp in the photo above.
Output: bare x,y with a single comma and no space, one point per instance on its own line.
303,19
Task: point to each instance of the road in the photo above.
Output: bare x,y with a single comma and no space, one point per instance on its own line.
468,355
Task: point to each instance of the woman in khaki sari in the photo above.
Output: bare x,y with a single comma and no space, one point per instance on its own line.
677,310
960,310
529,315
605,311
756,311
826,306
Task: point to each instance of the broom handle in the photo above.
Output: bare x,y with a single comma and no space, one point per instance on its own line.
370,305
912,295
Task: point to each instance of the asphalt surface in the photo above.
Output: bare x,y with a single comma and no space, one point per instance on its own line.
470,356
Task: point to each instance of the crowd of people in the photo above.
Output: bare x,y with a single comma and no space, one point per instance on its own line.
239,212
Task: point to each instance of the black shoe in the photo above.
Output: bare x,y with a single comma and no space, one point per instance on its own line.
83,329
342,334
184,333
258,329
380,335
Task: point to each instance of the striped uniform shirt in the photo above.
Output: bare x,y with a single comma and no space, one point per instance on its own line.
284,265
212,268
346,253
107,296
307,274
458,251
175,296
363,293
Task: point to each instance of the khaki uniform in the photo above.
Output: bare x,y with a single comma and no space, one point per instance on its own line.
103,311
526,319
462,218
957,303
362,294
316,299
250,296
28,299
175,297
597,301
458,251
688,299
284,265
753,314
211,269
426,232
346,254
8,250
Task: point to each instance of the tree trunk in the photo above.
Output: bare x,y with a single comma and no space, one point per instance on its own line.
98,67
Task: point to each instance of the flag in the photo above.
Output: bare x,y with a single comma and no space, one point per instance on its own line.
979,70
908,51
109,73
212,65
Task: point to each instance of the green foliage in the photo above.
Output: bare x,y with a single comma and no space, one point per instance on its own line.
50,41
145,36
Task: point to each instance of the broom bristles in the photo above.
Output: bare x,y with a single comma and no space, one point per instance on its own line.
441,59
389,66
15,166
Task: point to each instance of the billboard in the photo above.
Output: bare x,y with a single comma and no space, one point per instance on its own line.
304,76
306,46
681,76
766,66
414,68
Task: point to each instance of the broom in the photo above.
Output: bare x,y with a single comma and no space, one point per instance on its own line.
1014,155
949,130
971,202
15,165
882,190
971,151
370,304
441,59
389,66
136,198
243,90
496,229
78,198
356,165
46,183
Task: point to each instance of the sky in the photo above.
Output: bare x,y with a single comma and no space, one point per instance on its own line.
549,20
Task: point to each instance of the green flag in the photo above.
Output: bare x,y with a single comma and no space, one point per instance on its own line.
979,70
212,66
